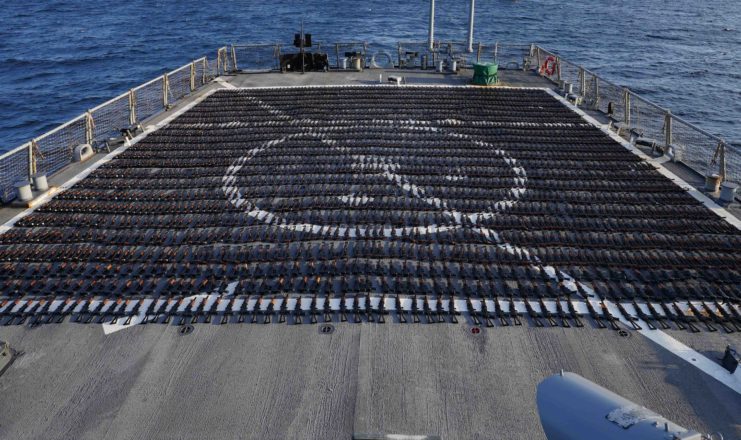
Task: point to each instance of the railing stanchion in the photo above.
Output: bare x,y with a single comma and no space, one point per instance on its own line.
132,107
596,93
337,52
722,164
31,159
192,76
719,158
626,107
537,58
582,82
234,58
668,129
89,127
165,89
203,74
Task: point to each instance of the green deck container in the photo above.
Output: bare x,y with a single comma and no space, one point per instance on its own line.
485,74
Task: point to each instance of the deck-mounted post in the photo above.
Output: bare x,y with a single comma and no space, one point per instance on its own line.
192,76
165,89
582,81
720,157
431,38
89,127
558,68
470,26
203,74
234,58
626,107
595,78
530,55
537,58
132,107
668,129
31,158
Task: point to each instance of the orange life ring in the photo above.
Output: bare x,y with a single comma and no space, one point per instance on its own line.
549,66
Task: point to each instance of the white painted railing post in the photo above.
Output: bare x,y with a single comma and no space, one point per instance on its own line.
31,158
165,90
722,165
626,106
582,82
192,76
668,129
234,59
596,92
203,74
132,107
89,127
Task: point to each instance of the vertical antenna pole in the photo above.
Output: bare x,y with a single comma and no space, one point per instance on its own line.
470,26
432,25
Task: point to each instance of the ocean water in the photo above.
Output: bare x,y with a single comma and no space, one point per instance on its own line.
60,58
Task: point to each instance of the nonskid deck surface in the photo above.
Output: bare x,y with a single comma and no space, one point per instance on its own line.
420,201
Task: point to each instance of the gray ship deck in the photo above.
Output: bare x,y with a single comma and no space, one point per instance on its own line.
291,381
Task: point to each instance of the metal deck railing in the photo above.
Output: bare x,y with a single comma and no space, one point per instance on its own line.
703,152
49,153
52,151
